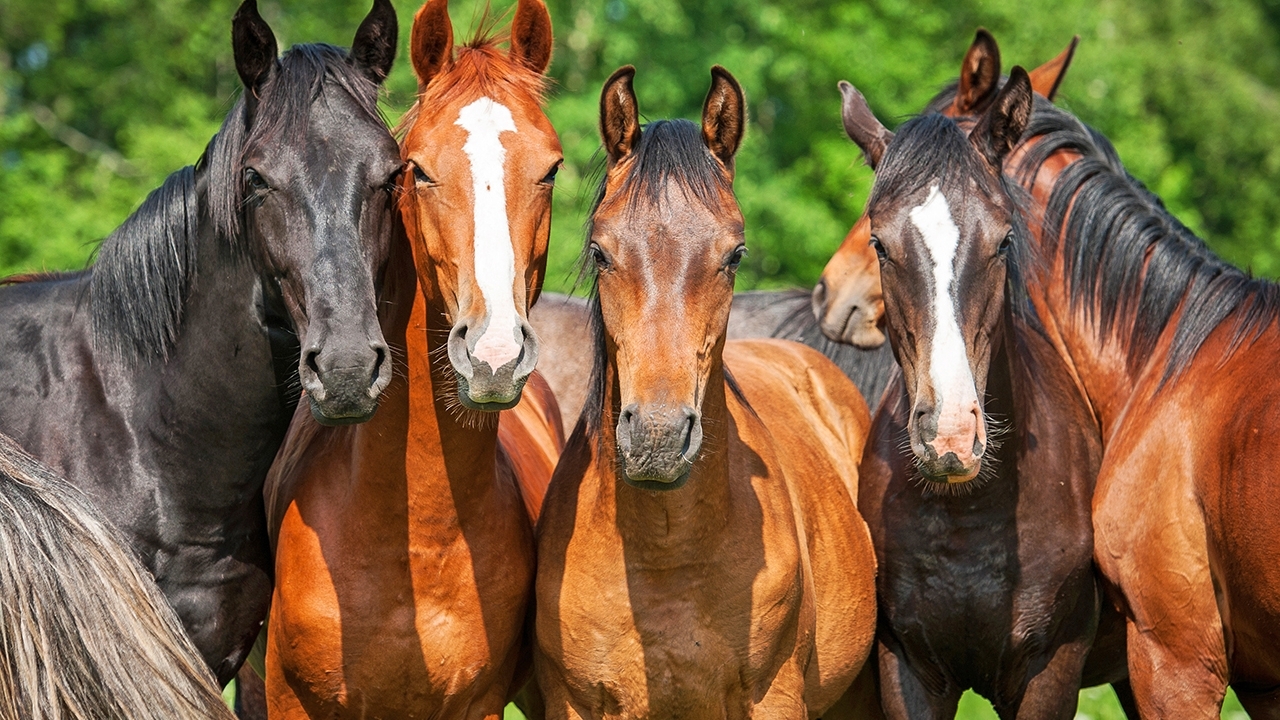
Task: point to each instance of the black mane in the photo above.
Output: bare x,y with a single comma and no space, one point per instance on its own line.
1128,261
140,280
668,151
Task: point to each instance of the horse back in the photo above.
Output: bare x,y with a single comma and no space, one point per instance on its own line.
532,437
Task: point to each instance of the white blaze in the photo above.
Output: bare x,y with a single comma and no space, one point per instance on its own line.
495,260
953,385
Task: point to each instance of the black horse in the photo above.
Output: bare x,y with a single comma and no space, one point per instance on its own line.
162,379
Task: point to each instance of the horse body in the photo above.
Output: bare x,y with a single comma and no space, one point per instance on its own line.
404,547
738,584
1162,336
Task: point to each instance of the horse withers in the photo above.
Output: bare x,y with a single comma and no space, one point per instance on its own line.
700,553
161,380
404,546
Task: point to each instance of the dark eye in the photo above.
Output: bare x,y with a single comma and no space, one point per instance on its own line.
1005,244
735,257
875,245
255,181
421,177
598,257
550,178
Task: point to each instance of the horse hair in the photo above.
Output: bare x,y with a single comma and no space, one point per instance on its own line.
1128,261
140,281
668,151
84,631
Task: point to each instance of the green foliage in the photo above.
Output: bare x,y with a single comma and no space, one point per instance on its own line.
99,99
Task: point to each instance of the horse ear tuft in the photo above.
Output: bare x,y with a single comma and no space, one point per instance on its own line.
1001,128
861,125
254,46
979,75
724,116
431,41
374,47
531,39
619,114
1048,77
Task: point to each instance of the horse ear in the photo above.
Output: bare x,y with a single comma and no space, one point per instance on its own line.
374,47
431,41
979,75
619,114
254,46
531,39
1001,127
1046,78
862,126
724,116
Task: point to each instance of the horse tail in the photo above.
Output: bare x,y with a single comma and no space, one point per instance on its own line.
84,631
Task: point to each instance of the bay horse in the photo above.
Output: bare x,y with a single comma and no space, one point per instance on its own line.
84,631
984,538
700,553
1166,342
404,548
161,380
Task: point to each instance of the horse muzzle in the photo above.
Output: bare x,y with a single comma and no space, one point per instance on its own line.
491,373
658,446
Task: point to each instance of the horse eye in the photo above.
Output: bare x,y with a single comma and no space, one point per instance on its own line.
550,178
735,258
598,256
255,180
875,245
421,177
1005,244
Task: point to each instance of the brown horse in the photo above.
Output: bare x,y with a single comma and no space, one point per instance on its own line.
405,554
991,587
1172,347
700,553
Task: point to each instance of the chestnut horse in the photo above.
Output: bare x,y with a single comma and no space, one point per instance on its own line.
1169,344
986,576
700,553
405,553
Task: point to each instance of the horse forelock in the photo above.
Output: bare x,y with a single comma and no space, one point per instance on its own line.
479,69
1129,265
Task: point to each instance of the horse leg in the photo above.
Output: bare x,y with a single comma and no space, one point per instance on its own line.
251,695
1260,705
1124,693
1053,692
1150,542
904,697
861,701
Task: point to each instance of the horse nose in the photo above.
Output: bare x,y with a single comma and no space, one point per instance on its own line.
344,379
658,445
948,441
492,369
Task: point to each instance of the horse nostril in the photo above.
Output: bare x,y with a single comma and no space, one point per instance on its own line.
311,361
381,354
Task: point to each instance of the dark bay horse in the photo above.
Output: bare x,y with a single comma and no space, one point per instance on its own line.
84,631
700,553
978,480
404,550
1173,349
161,380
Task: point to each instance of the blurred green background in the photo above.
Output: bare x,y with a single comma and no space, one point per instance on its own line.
100,99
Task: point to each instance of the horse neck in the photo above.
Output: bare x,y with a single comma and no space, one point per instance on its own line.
668,526
1099,367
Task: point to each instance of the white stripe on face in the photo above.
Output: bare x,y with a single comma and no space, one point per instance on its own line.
495,260
953,386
